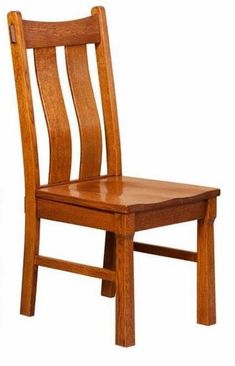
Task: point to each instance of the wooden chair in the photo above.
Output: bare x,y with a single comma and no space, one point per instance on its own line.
114,203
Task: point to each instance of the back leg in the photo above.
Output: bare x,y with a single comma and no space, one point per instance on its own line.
30,270
108,288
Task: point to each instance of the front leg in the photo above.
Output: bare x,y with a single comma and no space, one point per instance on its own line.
206,307
125,323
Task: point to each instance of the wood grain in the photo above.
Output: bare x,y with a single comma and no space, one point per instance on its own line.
125,317
53,34
108,96
169,215
86,110
108,288
25,107
71,214
127,194
78,268
206,309
55,113
119,205
30,271
30,156
165,251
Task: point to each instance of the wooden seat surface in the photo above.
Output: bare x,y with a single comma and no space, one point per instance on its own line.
126,194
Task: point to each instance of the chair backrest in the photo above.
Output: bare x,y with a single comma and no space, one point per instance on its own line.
43,38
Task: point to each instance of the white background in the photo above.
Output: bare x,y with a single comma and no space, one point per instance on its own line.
174,67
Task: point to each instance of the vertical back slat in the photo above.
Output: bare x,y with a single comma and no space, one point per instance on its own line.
55,113
53,102
86,110
108,96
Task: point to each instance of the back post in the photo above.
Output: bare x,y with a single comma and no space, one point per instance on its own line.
25,104
113,146
108,96
30,157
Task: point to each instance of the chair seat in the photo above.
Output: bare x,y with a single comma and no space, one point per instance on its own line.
125,194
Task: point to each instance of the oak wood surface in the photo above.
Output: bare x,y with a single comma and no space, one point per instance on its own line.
206,308
30,157
30,271
119,205
126,194
25,107
169,215
108,288
55,113
125,317
86,110
72,214
75,267
53,34
108,96
165,252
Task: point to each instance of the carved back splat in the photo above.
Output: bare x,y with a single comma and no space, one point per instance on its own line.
44,37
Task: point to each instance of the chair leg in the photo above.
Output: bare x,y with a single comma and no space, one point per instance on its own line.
29,280
206,307
108,288
125,327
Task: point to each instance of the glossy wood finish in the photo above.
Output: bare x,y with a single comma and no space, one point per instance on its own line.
54,34
86,110
206,312
55,113
126,194
119,205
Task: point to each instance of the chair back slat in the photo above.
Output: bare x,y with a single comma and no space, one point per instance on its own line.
49,34
55,113
44,37
86,110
